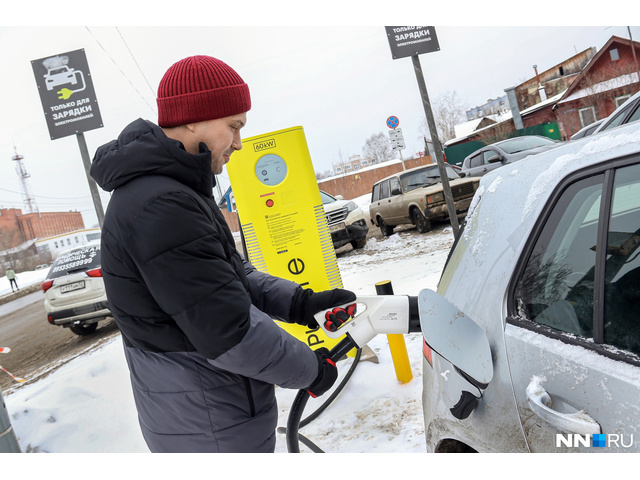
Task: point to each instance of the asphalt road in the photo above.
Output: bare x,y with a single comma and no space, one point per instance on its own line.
37,347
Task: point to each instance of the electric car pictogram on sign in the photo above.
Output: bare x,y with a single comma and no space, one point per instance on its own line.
67,94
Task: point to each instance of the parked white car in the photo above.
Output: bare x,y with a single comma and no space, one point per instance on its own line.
547,264
74,293
346,221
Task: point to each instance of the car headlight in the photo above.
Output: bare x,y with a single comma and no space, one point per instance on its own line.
435,198
351,206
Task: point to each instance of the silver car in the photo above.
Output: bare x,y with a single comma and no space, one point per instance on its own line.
547,266
501,153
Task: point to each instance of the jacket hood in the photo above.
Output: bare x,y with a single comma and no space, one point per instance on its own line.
143,149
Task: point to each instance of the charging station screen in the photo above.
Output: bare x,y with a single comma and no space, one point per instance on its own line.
271,169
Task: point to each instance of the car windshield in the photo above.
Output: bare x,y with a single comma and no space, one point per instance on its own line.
424,177
520,144
78,259
326,198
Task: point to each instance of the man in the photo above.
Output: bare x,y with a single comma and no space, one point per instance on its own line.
11,276
196,318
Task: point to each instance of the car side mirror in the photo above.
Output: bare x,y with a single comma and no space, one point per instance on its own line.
462,174
495,159
456,338
339,197
395,191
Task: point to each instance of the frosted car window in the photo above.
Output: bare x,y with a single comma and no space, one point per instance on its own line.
557,285
622,269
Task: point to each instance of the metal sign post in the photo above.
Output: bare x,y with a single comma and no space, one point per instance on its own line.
411,42
70,105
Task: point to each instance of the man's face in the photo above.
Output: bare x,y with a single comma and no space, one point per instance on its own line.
222,136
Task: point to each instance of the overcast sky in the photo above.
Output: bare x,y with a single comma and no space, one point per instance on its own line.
339,83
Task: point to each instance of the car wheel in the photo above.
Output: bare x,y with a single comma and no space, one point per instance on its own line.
84,329
422,222
384,228
359,243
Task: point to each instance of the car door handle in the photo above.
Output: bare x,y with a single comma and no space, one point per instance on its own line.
541,404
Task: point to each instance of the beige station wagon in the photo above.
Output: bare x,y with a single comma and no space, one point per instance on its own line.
416,196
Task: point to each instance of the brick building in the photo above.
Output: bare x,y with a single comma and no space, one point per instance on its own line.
604,84
16,228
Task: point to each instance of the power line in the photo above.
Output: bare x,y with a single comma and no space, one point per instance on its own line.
123,74
136,62
42,196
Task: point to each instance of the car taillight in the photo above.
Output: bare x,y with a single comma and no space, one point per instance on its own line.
50,319
46,285
426,351
96,272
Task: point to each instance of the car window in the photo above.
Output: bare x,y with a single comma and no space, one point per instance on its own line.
475,161
487,155
554,289
635,115
80,259
425,176
618,120
520,144
558,287
394,184
622,268
326,198
384,189
375,194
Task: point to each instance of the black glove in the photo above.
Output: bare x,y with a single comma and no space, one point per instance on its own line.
306,303
327,374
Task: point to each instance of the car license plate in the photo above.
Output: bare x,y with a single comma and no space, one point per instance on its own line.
72,287
337,227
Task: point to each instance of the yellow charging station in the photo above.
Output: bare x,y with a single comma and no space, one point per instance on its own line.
282,217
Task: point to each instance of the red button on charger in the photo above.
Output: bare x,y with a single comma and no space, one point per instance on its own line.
269,203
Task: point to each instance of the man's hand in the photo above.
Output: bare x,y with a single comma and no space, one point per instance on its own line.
334,319
327,374
306,303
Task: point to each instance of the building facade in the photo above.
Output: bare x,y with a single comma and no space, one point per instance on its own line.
606,82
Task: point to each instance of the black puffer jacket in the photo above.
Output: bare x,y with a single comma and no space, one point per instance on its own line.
196,319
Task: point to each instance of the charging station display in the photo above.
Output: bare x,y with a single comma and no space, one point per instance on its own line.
282,218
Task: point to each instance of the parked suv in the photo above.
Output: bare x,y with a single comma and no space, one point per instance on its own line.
501,153
416,197
347,222
74,294
547,265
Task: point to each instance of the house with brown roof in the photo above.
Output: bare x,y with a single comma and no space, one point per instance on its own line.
606,82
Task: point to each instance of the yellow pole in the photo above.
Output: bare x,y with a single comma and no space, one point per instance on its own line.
397,345
400,357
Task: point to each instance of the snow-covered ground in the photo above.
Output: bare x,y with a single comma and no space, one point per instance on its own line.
87,406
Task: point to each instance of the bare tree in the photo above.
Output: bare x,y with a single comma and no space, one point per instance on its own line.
448,111
378,147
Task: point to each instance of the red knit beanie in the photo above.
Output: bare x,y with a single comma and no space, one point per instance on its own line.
200,88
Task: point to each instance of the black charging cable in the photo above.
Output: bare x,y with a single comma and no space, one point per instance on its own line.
294,422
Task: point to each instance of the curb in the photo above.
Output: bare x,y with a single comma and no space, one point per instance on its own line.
20,293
